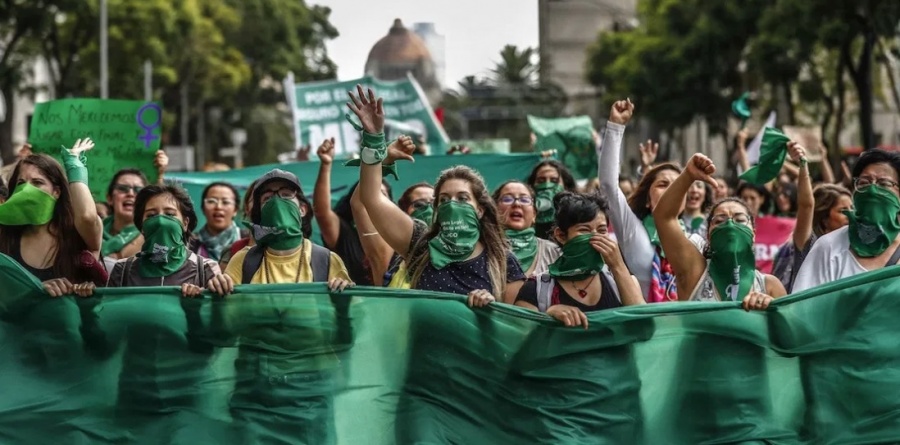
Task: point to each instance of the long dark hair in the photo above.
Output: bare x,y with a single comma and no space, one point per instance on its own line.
181,197
641,195
491,235
69,243
565,176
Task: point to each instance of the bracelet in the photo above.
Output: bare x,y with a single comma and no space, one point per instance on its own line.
370,234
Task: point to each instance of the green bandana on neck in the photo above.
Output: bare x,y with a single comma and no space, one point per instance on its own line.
543,202
459,233
163,252
579,260
732,262
873,220
115,243
524,246
650,226
280,226
424,214
771,158
28,206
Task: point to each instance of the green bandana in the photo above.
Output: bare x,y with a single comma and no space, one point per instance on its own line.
650,226
459,232
544,201
524,246
732,262
28,206
115,243
280,225
696,223
424,214
873,220
771,158
164,251
578,261
741,109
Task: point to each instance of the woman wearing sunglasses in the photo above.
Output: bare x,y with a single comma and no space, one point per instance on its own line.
517,214
220,206
121,239
726,271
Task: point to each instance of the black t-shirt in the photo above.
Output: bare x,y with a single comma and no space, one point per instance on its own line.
463,277
349,248
41,274
608,299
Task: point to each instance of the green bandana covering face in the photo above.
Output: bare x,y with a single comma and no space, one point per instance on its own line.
579,260
115,243
524,245
28,206
164,251
873,220
280,226
424,214
543,202
460,231
732,262
771,158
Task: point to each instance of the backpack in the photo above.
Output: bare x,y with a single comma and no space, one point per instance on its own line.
546,285
320,261
201,270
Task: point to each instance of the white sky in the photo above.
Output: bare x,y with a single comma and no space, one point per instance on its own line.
475,30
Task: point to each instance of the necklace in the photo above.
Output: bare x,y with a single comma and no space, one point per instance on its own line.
271,280
583,292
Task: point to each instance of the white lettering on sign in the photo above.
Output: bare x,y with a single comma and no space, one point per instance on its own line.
318,97
765,252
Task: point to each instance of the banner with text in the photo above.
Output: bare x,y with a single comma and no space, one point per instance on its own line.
771,233
319,107
126,134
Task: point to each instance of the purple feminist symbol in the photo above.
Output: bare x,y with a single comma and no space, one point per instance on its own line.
149,137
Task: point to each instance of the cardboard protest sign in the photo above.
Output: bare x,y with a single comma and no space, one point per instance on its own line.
810,138
771,233
126,134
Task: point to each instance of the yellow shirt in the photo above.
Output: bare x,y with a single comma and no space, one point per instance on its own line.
278,269
399,279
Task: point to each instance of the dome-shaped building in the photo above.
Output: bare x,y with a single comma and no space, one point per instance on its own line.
403,51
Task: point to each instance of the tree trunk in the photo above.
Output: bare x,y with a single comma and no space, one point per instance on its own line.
841,87
862,80
7,151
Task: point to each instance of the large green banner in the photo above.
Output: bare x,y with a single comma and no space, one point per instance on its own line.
319,109
292,364
572,138
125,133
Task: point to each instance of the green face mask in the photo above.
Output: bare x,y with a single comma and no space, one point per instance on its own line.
524,245
873,220
732,262
578,261
28,206
424,214
164,251
280,226
543,202
460,231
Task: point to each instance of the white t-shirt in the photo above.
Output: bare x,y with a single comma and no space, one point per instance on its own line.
829,260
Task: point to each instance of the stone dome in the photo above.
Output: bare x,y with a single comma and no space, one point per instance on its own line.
400,46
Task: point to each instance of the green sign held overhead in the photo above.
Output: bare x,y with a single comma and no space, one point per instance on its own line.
573,140
126,133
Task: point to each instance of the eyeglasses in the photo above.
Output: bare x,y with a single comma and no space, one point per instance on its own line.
124,188
284,192
510,200
212,202
421,203
864,181
738,218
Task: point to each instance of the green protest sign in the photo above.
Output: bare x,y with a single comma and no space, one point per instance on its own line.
319,109
572,138
126,134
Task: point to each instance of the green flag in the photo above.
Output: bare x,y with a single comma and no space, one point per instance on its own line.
573,139
772,154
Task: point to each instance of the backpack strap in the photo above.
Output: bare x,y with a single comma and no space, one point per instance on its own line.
252,262
126,270
610,281
544,291
320,261
201,269
894,257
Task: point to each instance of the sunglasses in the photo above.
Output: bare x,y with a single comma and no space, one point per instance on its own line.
122,188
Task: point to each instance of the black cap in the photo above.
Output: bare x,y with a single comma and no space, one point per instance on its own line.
276,175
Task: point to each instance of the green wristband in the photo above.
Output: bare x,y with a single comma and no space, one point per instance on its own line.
75,166
386,169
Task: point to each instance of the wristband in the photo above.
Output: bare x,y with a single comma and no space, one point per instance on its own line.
76,171
386,169
803,161
373,145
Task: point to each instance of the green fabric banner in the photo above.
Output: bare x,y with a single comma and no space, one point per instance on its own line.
426,168
292,364
572,138
125,133
319,109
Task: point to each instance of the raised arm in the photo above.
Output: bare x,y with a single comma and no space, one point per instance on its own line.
376,249
329,222
87,222
805,201
393,224
161,162
687,262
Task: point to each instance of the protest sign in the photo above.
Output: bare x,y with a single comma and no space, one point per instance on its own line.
771,233
319,108
572,138
126,134
810,138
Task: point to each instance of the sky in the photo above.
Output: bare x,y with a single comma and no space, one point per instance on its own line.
475,30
